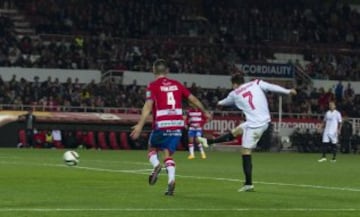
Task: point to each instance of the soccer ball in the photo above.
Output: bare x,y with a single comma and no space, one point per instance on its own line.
71,158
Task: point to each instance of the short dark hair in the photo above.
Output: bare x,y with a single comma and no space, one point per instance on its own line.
160,66
237,78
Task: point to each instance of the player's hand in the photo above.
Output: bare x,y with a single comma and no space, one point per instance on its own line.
136,130
293,91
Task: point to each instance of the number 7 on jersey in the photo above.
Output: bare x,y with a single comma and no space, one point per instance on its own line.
249,96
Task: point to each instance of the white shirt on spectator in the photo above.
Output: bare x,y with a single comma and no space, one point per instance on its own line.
56,135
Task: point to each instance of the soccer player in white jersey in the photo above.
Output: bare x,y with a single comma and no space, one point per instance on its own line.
332,127
250,98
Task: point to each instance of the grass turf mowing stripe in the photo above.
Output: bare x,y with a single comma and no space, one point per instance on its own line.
177,210
142,172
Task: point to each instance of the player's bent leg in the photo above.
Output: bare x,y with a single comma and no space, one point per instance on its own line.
334,152
154,175
247,169
153,158
223,138
191,147
170,168
171,189
237,131
323,150
203,141
201,149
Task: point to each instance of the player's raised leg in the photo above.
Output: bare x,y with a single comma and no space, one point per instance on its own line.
201,149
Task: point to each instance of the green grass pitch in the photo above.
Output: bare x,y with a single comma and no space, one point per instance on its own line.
114,183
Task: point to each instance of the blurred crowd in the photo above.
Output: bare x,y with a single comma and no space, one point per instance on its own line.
52,95
244,20
205,37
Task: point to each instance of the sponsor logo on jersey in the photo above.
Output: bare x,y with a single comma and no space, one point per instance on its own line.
168,88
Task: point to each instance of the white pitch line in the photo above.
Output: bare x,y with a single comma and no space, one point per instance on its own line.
177,210
145,172
113,170
275,183
227,179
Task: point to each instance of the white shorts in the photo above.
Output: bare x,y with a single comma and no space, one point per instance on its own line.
330,137
251,135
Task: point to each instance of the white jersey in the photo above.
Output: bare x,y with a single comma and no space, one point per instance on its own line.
251,99
332,120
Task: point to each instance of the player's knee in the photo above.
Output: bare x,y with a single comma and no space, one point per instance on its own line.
246,151
237,131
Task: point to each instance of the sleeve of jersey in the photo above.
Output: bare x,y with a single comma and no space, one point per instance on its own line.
340,118
149,93
229,100
273,87
186,93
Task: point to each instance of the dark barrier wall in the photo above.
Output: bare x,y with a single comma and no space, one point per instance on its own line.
9,135
64,121
9,132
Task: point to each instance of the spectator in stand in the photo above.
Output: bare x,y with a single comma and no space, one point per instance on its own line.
57,138
296,140
349,91
355,142
70,140
39,138
49,139
30,121
345,135
339,91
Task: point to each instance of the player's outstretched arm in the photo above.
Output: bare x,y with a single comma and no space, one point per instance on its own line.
146,110
293,91
276,88
199,105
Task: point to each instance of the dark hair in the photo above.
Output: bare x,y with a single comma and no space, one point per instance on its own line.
237,78
160,66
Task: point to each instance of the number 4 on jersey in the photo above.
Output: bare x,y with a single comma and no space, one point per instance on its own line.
171,99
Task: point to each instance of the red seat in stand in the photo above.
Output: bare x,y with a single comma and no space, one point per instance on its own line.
113,142
102,140
90,140
124,143
22,138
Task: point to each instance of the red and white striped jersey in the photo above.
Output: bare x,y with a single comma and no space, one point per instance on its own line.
195,119
167,95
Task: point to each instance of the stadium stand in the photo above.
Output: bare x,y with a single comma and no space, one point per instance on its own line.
320,38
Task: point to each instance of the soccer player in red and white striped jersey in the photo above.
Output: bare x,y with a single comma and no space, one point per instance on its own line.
195,120
164,100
